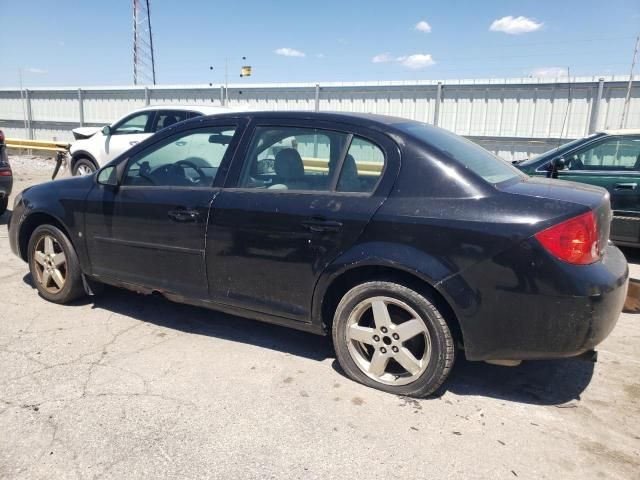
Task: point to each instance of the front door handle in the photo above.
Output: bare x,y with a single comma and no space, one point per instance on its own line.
183,215
321,225
625,186
133,142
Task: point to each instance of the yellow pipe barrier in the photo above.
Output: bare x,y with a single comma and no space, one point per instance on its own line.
37,145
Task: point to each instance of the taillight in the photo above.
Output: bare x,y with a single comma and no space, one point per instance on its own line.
574,240
5,173
1,136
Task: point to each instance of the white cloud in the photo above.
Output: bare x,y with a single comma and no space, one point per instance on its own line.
319,55
417,61
36,70
554,72
382,58
289,52
423,26
515,25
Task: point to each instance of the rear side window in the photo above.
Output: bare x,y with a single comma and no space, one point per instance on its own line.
362,167
466,153
166,118
293,158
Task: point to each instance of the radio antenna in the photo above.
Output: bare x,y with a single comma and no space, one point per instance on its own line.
627,99
566,112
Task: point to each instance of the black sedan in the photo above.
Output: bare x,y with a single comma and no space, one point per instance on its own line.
403,241
6,176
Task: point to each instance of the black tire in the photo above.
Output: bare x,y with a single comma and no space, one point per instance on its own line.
72,287
83,164
4,203
441,354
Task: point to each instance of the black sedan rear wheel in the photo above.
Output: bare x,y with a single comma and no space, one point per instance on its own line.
390,337
54,265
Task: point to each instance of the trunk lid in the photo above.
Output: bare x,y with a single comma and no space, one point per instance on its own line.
570,199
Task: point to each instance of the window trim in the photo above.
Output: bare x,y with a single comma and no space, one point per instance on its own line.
242,156
163,142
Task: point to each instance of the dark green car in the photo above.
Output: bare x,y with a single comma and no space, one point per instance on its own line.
609,159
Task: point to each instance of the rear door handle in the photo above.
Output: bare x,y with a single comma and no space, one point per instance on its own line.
321,225
625,186
183,215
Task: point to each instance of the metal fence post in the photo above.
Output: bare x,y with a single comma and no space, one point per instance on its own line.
147,96
595,108
317,99
29,115
436,110
81,107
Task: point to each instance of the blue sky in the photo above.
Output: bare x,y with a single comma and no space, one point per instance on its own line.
83,42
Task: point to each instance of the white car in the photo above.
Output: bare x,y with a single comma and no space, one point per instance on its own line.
95,147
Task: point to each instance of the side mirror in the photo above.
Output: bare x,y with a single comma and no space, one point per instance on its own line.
555,166
106,131
108,176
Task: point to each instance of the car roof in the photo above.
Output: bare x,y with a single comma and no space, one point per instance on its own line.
204,109
362,119
622,131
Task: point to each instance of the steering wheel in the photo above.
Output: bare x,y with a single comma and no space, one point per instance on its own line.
189,164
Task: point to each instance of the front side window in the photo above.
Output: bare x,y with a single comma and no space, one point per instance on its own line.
134,124
189,159
292,158
615,154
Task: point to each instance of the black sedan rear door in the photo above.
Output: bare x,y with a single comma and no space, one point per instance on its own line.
299,194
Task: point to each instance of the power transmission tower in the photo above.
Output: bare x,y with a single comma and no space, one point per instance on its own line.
144,67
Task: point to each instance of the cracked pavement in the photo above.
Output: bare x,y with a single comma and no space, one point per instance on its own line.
128,386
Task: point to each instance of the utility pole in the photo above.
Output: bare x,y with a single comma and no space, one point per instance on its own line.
627,99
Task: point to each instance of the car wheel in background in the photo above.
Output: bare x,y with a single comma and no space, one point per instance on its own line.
390,337
54,265
83,166
4,203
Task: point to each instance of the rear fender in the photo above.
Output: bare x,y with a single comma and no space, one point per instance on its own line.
407,259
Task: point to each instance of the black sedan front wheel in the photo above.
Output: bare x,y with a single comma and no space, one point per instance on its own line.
390,337
54,265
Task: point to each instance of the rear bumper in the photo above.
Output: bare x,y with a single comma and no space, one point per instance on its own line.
524,304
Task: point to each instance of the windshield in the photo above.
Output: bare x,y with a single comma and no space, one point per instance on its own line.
470,155
559,150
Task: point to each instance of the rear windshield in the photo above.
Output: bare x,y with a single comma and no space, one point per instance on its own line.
481,162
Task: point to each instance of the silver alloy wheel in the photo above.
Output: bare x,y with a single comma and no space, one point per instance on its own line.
83,170
388,341
50,264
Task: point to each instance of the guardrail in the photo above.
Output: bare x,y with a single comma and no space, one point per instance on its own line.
61,149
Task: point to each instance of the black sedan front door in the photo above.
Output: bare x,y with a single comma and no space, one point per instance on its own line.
290,211
150,231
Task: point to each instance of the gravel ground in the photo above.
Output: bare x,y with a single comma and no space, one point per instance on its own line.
127,386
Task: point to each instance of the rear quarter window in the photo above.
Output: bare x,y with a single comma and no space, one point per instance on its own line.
471,156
